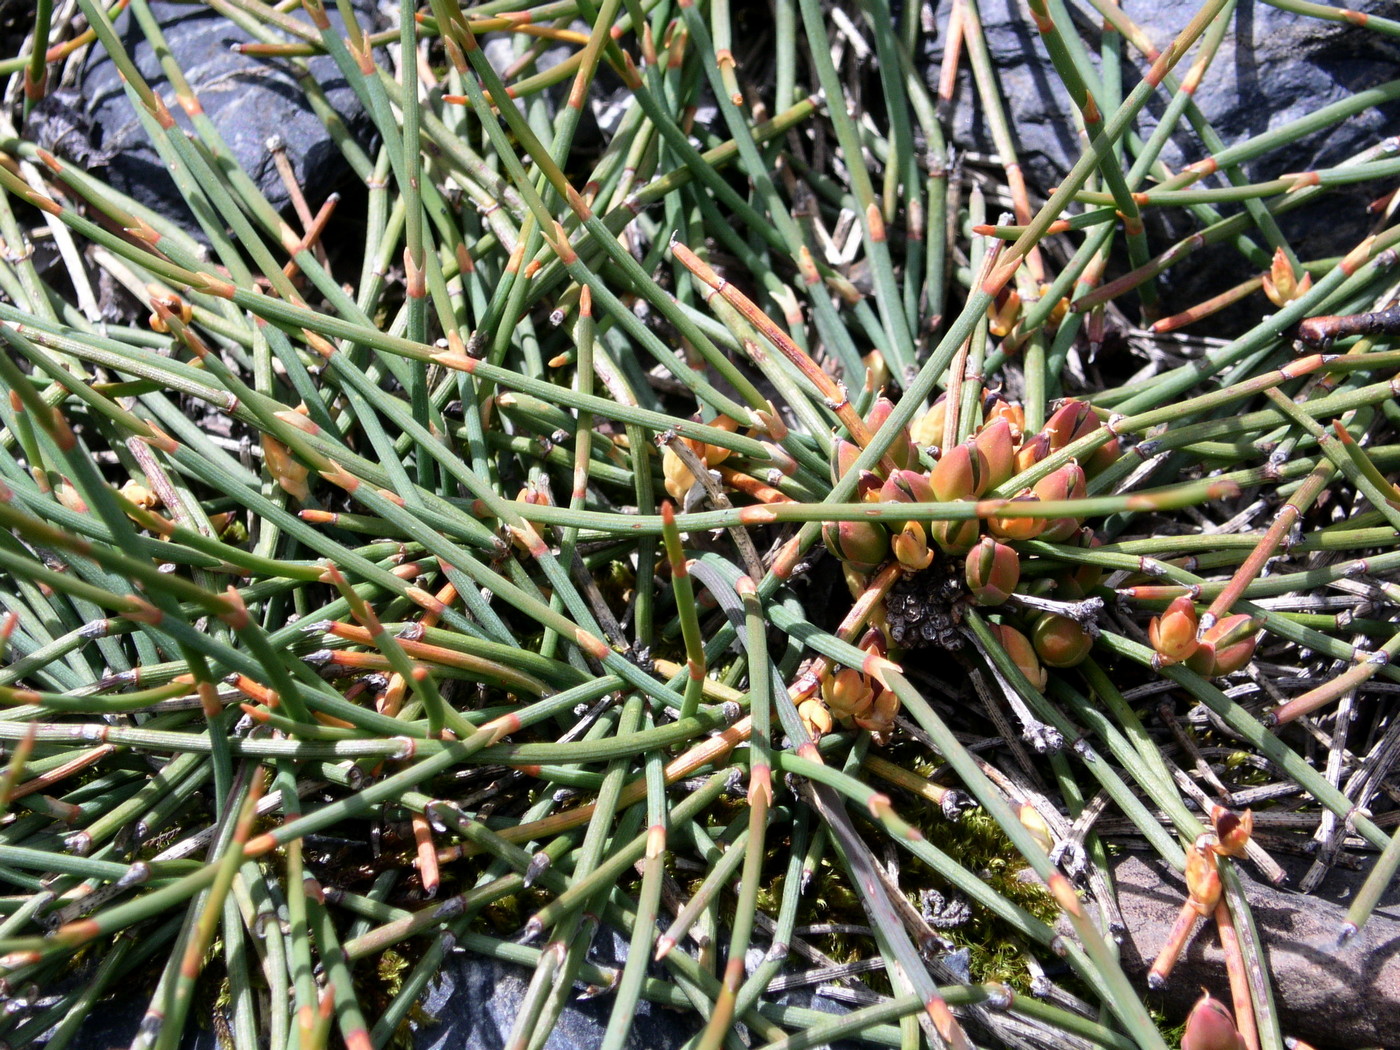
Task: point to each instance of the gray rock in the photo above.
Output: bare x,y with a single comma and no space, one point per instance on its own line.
249,98
1272,68
1338,998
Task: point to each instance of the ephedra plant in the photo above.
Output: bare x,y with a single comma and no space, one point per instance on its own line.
673,534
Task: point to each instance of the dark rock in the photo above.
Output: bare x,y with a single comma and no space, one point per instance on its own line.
1272,68
474,1001
1335,998
249,98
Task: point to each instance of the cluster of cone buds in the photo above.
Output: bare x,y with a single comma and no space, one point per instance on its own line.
1222,648
998,450
963,473
852,698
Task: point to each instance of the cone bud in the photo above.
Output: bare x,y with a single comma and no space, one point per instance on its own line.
1202,877
961,473
1232,830
1065,483
910,546
928,428
902,449
868,487
998,445
878,718
1003,314
1033,822
1173,634
992,571
847,693
954,536
676,476
1032,451
1103,457
862,545
907,486
1022,653
1210,1027
713,455
877,369
1226,647
816,717
1057,312
843,459
1070,422
1060,641
1087,575
1009,528
1013,414
286,470
1280,283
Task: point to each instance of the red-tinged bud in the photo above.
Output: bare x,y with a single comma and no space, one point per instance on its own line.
992,570
907,486
847,694
961,473
1022,653
1032,451
1060,641
1009,528
1066,483
873,642
862,545
1088,576
1071,421
868,487
1202,877
910,546
954,537
844,459
1226,648
1210,1026
998,445
1232,830
928,428
1173,634
1103,457
902,449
